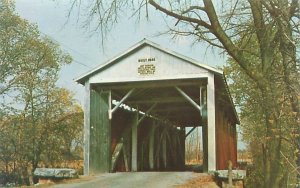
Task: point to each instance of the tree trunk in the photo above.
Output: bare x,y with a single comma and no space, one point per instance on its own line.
272,160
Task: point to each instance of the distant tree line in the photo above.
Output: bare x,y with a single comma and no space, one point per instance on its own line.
193,153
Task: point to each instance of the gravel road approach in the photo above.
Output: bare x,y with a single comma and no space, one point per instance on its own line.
134,180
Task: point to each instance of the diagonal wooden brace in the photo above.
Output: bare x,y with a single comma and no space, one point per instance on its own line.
148,111
120,102
189,99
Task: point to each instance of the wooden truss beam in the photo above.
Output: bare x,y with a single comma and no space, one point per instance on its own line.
146,113
115,155
158,100
189,99
153,84
120,102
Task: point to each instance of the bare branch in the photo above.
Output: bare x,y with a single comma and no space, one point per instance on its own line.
193,8
178,16
294,8
258,19
228,44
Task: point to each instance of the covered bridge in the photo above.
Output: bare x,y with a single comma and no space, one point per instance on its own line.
139,104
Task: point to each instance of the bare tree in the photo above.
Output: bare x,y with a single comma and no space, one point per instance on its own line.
260,36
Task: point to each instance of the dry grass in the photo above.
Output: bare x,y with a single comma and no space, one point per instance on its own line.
201,181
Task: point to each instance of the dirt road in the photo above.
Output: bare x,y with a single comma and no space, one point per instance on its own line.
134,180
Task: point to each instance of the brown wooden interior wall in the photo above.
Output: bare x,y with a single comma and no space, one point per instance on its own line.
121,123
121,128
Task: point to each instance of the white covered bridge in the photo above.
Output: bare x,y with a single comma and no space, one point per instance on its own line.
138,105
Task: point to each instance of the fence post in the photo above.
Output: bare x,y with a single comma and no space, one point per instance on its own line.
230,174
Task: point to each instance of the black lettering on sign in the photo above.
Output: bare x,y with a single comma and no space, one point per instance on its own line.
143,60
147,69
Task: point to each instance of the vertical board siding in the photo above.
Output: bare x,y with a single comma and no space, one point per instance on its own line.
105,136
226,138
100,132
95,132
233,145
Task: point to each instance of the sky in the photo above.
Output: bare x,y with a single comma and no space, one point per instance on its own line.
86,48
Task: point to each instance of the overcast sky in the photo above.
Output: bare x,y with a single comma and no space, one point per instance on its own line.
86,49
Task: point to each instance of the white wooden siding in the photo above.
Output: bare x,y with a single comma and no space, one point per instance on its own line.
166,67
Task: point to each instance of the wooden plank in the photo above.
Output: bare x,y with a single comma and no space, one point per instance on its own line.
158,100
105,136
86,138
95,148
126,147
211,127
234,158
173,143
205,148
121,101
201,80
172,146
175,108
141,157
159,137
125,155
165,66
134,140
151,147
181,147
189,99
164,149
179,150
146,113
203,105
100,132
116,155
